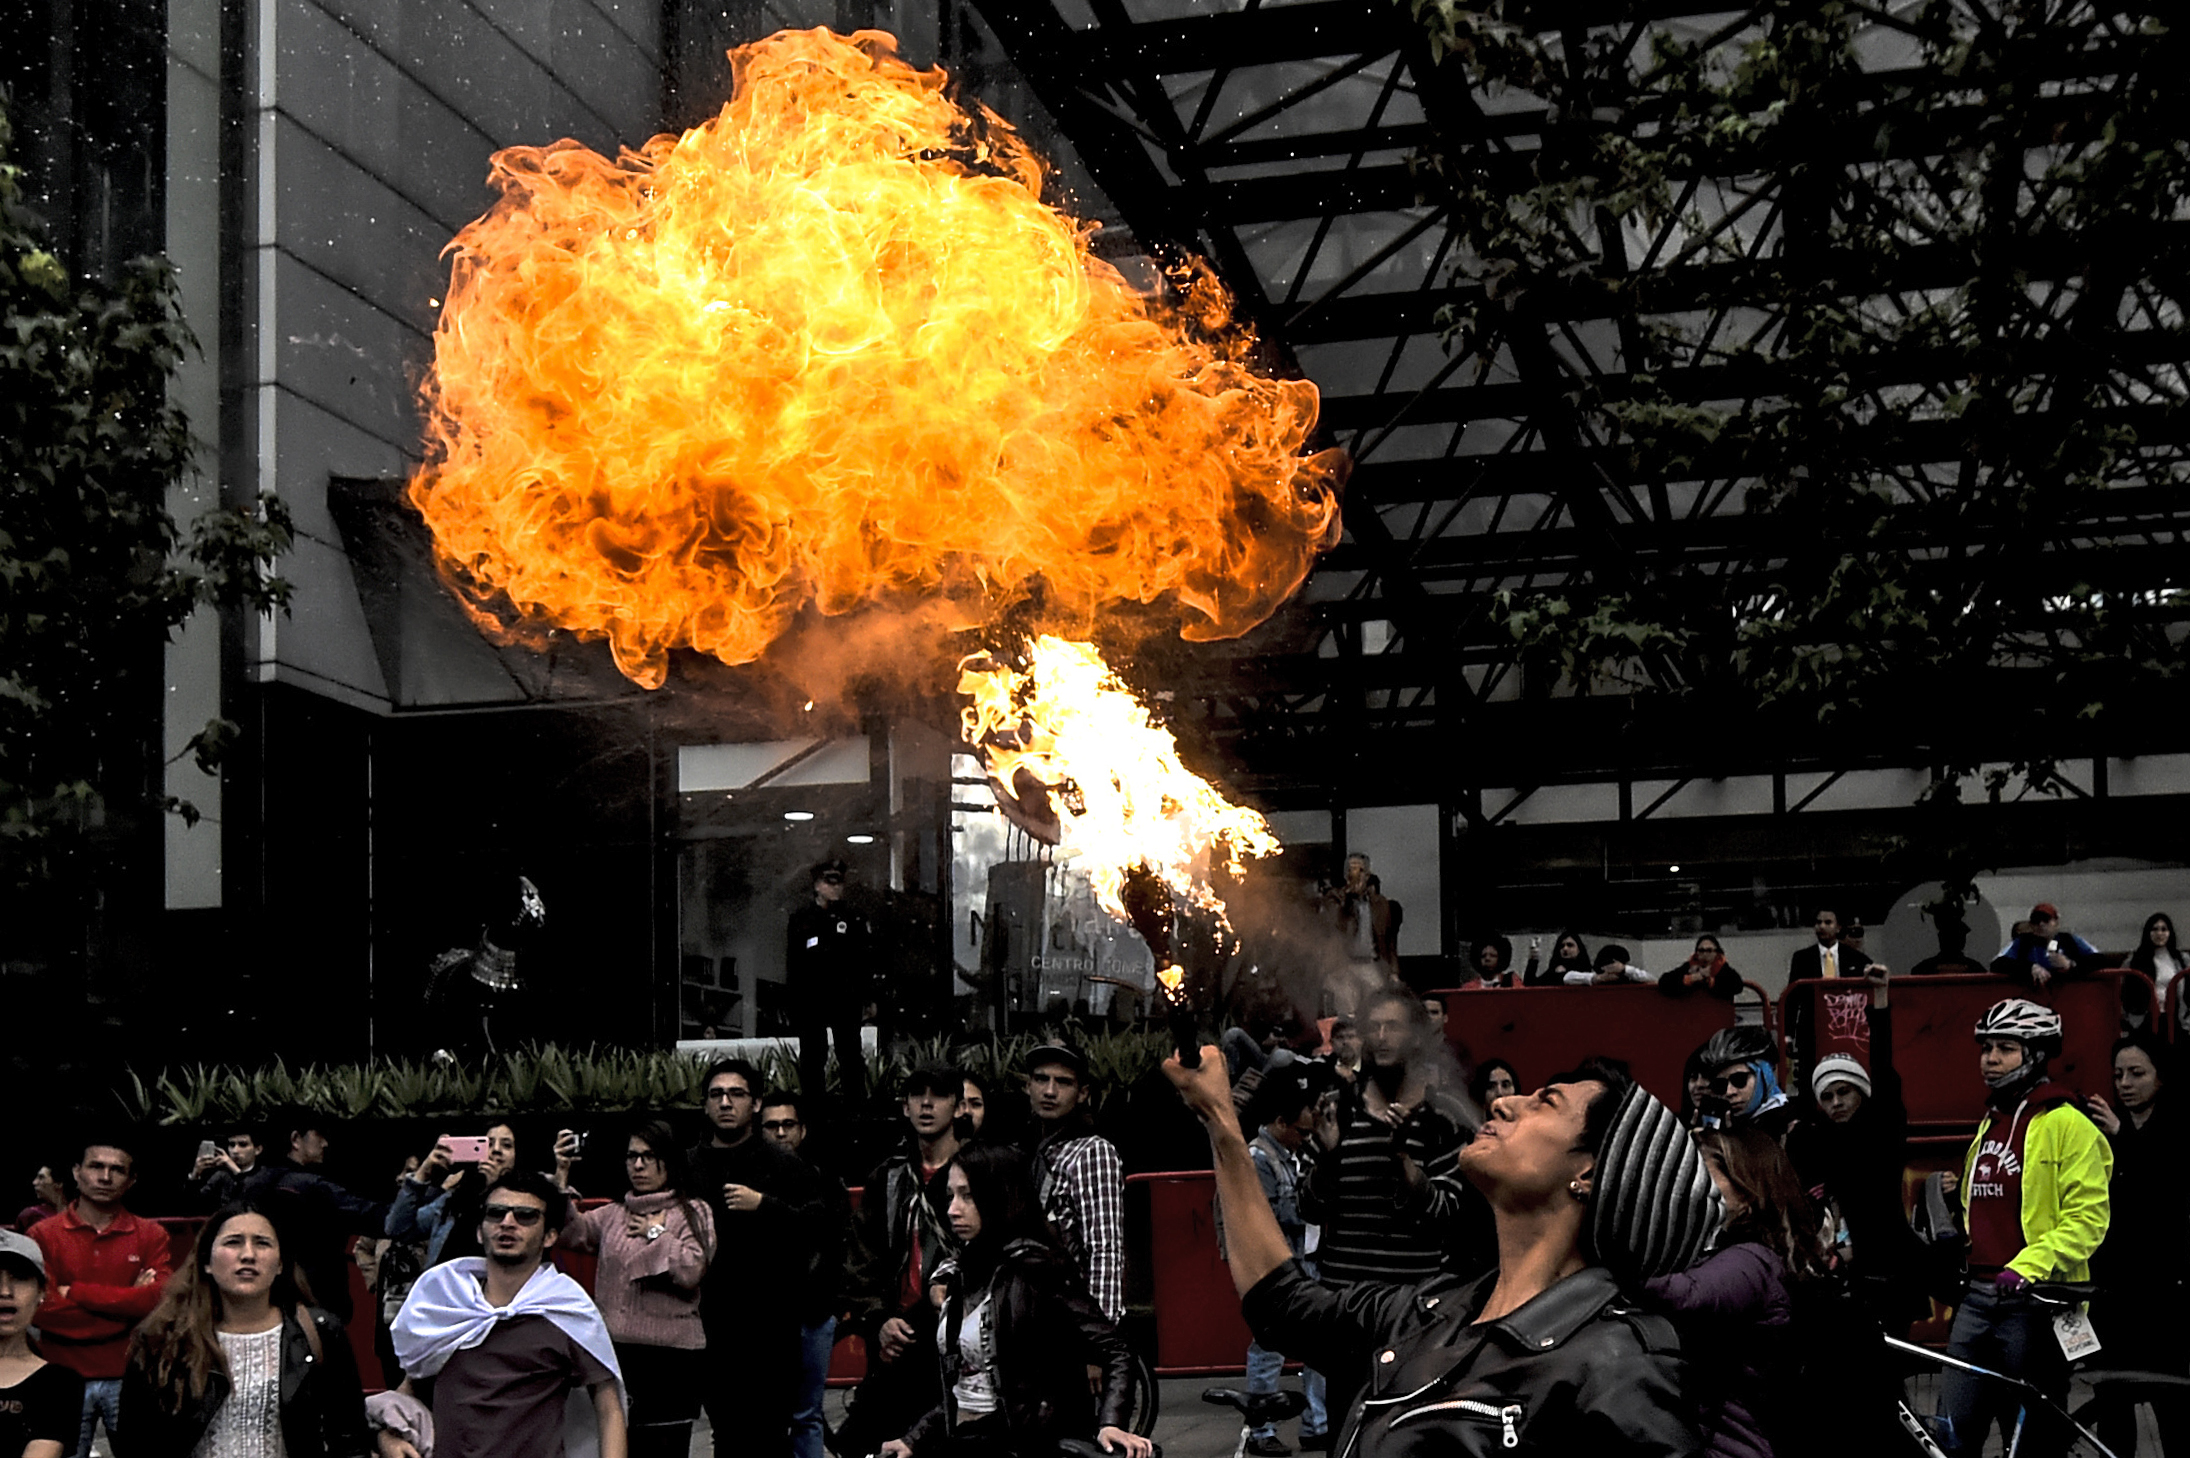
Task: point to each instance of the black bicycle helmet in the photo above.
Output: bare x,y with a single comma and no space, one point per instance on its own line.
1747,1044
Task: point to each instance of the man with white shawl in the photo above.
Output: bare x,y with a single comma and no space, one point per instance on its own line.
513,1353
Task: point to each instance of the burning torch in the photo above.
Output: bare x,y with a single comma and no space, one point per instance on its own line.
1148,906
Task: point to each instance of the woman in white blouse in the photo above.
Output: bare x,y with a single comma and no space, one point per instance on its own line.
206,1368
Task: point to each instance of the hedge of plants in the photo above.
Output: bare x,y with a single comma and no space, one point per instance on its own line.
548,1078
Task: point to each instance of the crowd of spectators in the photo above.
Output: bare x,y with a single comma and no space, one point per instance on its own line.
985,1271
1644,1279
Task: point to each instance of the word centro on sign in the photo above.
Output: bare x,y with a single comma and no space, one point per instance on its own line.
1051,962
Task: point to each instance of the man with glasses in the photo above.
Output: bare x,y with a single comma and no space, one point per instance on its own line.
827,956
904,1238
822,1296
765,1201
495,1345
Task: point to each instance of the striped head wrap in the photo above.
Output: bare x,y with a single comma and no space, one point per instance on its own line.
1654,1209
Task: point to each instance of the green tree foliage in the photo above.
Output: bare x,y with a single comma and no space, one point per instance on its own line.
1894,297
95,573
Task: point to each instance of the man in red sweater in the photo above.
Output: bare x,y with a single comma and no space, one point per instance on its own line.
104,1270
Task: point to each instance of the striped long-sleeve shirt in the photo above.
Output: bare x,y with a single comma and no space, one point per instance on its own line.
1376,1228
1083,1194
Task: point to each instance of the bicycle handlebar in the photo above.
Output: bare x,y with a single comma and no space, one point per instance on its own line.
2061,1293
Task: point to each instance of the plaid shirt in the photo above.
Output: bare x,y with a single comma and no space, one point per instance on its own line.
1083,1194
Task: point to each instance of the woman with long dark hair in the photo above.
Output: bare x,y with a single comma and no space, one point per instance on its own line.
2159,958
1734,1307
973,1104
236,1362
654,1246
1019,1331
440,1201
1568,954
1493,1079
2138,1311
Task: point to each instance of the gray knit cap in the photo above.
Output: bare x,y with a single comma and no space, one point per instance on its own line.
1654,1208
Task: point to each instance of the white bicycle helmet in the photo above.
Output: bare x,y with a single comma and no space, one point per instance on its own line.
2022,1019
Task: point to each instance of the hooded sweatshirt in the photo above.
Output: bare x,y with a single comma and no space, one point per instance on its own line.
2034,1188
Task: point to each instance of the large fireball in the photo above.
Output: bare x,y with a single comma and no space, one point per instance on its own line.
831,348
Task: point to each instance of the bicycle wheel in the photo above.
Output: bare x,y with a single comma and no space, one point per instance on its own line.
1147,1399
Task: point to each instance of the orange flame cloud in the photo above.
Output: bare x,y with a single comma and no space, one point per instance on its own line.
831,348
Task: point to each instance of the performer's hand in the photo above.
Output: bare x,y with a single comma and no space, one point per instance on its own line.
1207,1089
897,1335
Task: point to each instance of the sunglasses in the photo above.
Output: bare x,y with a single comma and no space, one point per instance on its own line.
522,1214
1733,1082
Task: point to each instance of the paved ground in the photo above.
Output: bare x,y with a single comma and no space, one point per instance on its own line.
1186,1427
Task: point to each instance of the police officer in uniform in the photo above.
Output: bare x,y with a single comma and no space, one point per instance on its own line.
831,947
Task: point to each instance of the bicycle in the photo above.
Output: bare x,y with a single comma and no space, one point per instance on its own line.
2057,1295
1147,1400
1256,1409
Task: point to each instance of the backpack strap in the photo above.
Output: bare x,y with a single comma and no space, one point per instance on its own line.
309,1319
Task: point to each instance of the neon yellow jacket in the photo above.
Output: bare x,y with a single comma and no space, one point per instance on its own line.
2067,1165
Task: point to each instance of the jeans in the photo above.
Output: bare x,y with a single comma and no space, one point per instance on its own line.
1263,1369
815,1342
2011,1335
102,1399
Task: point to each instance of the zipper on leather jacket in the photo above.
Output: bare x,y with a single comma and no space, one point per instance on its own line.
1509,1416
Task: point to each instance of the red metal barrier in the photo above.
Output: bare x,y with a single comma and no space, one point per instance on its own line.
1198,1326
1932,1019
1542,1030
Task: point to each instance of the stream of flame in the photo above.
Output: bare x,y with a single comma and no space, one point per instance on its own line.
1122,796
831,349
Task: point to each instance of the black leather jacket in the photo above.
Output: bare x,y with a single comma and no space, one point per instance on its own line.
322,1403
1578,1370
1044,1330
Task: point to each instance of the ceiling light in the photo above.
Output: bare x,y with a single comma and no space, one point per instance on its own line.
1676,870
798,814
859,840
